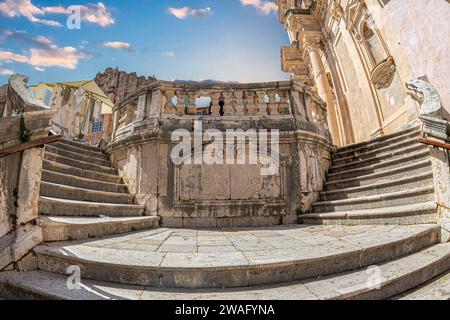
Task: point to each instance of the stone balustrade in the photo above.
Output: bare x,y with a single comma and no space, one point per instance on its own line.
177,102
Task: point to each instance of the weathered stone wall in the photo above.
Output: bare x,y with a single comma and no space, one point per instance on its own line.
20,176
119,84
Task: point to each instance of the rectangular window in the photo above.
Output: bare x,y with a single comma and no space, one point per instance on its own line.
97,127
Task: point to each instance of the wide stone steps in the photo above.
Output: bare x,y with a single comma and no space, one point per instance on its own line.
80,145
82,173
436,289
64,207
398,215
95,154
53,190
168,258
376,144
412,149
416,195
84,183
365,155
397,162
401,184
78,228
79,164
416,168
77,156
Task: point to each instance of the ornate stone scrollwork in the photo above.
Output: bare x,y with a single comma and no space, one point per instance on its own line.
383,73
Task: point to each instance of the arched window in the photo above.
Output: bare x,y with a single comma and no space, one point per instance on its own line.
373,44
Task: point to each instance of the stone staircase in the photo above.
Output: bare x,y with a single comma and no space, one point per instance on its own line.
388,180
83,197
373,235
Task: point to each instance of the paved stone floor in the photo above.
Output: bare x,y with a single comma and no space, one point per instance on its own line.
187,248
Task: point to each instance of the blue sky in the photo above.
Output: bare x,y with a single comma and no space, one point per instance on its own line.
230,40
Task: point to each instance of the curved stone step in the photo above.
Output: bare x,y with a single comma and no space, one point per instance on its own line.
60,191
64,207
436,289
79,164
379,158
386,200
77,156
417,213
395,185
95,154
81,145
375,144
416,168
388,149
234,258
82,173
397,162
84,183
396,276
77,228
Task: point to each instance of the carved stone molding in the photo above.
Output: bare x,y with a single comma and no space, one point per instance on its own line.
383,73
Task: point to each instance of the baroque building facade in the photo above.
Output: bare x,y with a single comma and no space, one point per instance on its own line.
360,53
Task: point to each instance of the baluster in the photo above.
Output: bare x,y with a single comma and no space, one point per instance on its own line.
169,108
273,106
252,103
215,109
228,107
238,101
262,106
180,103
192,108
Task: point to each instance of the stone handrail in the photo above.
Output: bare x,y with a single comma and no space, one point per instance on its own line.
19,97
433,122
268,101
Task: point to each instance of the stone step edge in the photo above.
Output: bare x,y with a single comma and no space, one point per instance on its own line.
70,147
385,138
427,290
417,155
399,152
60,228
388,172
77,156
422,176
87,203
70,176
395,211
82,171
379,151
97,192
419,239
35,284
80,145
82,162
378,197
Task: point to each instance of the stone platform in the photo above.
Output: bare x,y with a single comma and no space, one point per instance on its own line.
185,258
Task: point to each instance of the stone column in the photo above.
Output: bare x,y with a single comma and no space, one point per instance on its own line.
262,106
169,108
312,45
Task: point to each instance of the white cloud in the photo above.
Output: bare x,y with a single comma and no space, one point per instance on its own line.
6,72
118,45
185,12
93,13
24,8
48,54
262,6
